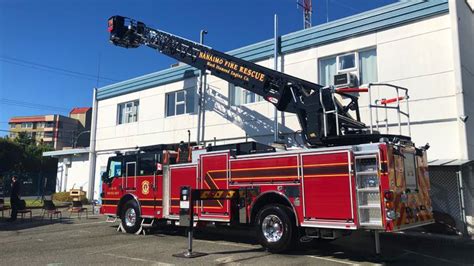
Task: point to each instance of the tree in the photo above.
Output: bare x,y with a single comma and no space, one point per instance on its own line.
24,155
11,156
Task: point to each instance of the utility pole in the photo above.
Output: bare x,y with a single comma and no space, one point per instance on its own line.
92,153
201,98
275,66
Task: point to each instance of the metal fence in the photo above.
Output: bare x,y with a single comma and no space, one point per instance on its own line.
32,184
446,194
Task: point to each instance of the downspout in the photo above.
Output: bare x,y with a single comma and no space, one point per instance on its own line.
92,155
459,92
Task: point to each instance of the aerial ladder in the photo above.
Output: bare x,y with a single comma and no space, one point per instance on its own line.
324,120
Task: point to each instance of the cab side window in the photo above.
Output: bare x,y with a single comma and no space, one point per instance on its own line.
146,164
130,165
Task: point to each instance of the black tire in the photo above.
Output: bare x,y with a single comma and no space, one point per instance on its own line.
276,214
131,225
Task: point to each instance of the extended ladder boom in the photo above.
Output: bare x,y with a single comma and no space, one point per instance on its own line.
286,92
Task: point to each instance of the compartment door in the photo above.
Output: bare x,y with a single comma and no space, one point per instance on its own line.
214,175
327,186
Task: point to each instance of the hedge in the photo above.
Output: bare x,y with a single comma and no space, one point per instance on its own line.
66,197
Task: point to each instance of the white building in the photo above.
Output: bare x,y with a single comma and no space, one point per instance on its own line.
73,168
425,46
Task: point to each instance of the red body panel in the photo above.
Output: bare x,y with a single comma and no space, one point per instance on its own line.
146,195
214,175
267,169
327,186
181,176
321,186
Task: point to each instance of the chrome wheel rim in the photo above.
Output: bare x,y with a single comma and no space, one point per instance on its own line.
130,217
272,228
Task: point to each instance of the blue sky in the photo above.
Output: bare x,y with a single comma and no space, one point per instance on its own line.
52,50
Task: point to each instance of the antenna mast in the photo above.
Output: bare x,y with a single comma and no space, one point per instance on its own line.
307,12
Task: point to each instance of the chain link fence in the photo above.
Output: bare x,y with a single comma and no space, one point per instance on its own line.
446,195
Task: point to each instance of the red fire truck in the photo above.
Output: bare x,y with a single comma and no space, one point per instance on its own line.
348,177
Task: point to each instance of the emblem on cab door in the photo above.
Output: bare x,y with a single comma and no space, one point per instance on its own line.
145,187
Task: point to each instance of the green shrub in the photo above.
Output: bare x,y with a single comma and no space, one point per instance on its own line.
65,197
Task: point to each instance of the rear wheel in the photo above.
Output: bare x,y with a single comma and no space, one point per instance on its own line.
131,220
276,229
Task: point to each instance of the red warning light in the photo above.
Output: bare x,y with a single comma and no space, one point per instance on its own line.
111,25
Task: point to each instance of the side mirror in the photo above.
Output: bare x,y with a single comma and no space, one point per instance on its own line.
105,177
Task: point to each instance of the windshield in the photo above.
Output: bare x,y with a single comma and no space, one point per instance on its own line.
115,167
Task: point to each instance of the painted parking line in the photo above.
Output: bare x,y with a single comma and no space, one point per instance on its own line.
138,259
225,243
332,260
432,257
101,222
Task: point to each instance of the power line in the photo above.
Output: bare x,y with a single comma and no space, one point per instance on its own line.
57,70
11,102
346,6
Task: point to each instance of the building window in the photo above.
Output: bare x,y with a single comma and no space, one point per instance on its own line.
346,62
327,70
363,61
27,125
49,124
40,125
180,102
48,134
127,112
240,96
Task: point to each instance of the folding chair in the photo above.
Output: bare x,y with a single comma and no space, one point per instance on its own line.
3,207
50,209
78,208
23,210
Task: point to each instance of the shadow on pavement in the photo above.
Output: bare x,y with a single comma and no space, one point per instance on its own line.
38,221
26,223
397,249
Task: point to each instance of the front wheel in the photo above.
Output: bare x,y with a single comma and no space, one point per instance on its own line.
131,220
276,229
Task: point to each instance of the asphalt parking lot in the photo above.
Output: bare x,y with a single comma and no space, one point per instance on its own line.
74,241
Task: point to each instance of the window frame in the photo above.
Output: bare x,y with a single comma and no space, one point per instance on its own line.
243,96
183,102
26,125
346,70
357,63
125,116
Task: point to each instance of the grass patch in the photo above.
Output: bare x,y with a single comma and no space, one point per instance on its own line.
34,203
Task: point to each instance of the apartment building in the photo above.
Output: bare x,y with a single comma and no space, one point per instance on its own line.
57,131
